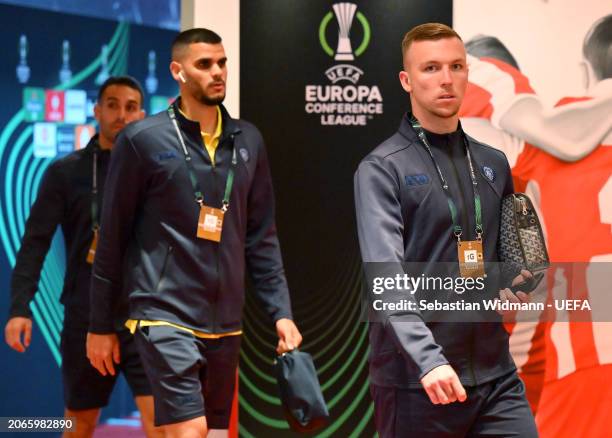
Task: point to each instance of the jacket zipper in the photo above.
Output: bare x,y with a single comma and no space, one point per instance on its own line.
213,307
222,141
465,221
216,250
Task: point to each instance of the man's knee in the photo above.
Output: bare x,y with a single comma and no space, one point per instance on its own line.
194,428
85,422
147,415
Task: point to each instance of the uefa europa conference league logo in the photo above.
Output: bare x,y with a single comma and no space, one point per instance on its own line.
344,102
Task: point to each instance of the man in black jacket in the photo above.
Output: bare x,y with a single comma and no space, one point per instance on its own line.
189,207
70,195
432,195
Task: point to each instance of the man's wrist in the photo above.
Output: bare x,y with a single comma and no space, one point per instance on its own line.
20,314
438,363
20,309
102,329
287,316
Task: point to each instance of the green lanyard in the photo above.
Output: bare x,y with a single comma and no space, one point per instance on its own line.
95,225
457,230
199,198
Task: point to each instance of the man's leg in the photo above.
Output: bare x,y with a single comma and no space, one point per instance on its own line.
505,412
410,413
133,371
172,362
194,428
145,406
85,422
385,410
86,391
219,379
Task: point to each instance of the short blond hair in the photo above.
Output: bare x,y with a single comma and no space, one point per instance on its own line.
427,31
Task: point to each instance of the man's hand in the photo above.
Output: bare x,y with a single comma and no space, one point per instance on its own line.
102,351
15,328
289,336
520,297
443,386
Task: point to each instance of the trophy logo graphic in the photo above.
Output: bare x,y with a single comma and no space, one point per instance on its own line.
345,13
345,100
23,70
65,73
104,74
151,81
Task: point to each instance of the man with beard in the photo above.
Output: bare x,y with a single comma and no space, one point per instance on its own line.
431,194
189,208
71,195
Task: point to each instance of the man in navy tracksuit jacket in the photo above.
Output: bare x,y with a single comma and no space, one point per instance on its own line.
72,187
169,176
431,378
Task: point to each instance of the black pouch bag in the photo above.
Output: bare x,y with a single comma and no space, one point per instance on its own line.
521,242
300,392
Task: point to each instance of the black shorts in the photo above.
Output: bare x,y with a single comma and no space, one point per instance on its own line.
190,376
84,386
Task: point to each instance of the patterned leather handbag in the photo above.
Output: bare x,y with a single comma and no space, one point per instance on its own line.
521,242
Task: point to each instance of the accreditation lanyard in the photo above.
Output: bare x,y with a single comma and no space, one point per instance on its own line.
94,190
95,225
210,222
199,198
457,230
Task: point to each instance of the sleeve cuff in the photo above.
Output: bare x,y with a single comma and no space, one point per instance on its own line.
20,307
441,360
100,329
282,315
20,313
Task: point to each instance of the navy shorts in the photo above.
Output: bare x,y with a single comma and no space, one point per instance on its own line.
190,376
493,409
84,386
